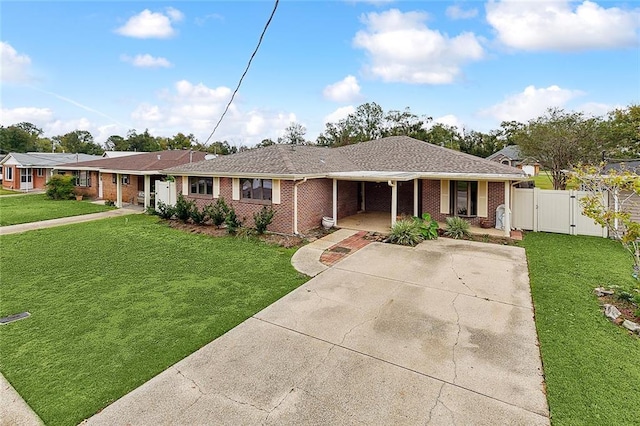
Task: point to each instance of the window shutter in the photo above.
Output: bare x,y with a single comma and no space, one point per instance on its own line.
236,188
483,198
275,191
185,185
216,187
444,196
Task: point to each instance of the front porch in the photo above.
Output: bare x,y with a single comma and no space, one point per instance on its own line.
380,222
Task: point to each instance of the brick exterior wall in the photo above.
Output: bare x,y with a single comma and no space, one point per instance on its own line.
10,184
377,197
129,191
90,191
347,198
315,200
431,201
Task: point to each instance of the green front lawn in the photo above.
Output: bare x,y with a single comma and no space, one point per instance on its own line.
544,181
37,207
591,366
8,191
115,302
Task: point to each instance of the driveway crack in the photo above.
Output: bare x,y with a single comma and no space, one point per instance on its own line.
455,346
435,404
192,381
453,268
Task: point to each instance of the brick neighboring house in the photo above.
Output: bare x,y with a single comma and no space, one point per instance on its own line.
395,175
31,170
127,179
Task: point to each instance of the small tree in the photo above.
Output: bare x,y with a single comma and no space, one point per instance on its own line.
217,212
610,196
183,208
263,218
60,187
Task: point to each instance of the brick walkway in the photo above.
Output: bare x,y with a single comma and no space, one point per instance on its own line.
344,248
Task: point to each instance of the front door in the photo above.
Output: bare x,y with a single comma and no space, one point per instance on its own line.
26,181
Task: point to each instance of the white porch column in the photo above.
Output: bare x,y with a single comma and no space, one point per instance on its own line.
507,209
335,203
394,201
147,191
415,197
118,190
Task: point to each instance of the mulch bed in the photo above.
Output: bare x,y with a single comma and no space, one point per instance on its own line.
626,308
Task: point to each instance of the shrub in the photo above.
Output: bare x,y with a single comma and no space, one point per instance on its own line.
406,232
263,218
184,208
198,216
428,227
245,233
165,211
457,228
217,212
60,187
232,221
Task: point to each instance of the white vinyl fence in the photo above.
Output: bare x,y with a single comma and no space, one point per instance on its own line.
165,192
552,211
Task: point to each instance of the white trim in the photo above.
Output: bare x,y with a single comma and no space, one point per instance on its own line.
118,190
147,191
185,186
507,209
335,203
394,200
416,185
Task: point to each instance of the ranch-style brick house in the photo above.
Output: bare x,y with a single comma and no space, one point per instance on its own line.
393,176
128,179
31,170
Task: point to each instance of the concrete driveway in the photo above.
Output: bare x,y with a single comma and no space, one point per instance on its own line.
442,333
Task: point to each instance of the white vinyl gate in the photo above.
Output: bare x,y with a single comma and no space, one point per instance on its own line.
552,211
165,192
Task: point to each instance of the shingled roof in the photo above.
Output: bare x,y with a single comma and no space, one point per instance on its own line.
397,154
144,162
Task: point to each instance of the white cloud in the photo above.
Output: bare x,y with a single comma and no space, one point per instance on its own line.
345,90
561,25
596,109
530,103
15,66
21,114
196,108
339,114
449,120
147,61
149,24
403,49
457,12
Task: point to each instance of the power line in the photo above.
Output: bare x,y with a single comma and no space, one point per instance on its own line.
273,12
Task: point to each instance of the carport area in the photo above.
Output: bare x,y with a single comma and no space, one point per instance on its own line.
442,333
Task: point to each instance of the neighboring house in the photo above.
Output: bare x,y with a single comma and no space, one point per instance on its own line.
127,179
115,154
512,156
32,170
395,175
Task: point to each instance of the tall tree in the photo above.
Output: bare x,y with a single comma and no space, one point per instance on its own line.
405,123
444,135
364,124
142,142
21,137
78,141
181,141
621,133
116,143
294,134
560,140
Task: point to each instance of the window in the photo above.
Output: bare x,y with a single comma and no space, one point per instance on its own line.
8,173
40,172
123,178
201,185
83,178
464,199
256,189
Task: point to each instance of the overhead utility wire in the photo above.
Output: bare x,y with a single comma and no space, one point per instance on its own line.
273,12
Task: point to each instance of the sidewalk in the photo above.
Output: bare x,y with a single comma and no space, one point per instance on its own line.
14,410
23,227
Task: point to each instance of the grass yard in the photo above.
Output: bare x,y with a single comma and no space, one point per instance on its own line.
7,191
544,181
115,302
36,207
591,366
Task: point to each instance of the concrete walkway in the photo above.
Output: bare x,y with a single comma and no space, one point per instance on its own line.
13,410
441,333
307,258
23,227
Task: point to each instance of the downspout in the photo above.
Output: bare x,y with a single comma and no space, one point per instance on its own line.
295,205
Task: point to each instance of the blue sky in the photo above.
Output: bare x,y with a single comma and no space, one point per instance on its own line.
108,67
